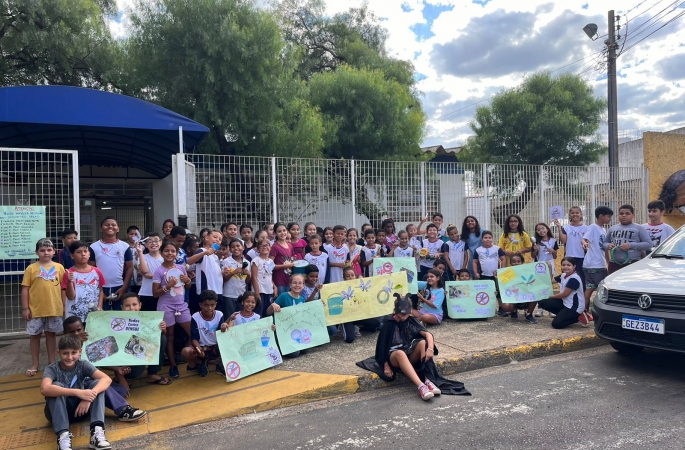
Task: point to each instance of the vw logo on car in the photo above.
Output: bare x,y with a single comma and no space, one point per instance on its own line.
645,301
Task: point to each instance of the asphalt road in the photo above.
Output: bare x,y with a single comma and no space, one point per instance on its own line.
595,399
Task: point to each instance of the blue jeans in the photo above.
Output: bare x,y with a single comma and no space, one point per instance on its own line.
281,289
108,305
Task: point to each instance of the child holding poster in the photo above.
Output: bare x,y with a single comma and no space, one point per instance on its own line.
203,336
569,304
291,298
545,249
431,297
169,284
250,303
516,260
41,301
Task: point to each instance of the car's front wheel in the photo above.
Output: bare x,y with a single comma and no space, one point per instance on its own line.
626,349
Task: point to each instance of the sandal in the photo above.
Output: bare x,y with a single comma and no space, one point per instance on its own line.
31,372
162,381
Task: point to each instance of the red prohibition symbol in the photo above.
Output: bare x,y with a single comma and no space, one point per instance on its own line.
482,298
232,370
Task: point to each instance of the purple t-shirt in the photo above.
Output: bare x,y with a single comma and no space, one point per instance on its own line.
280,255
176,295
298,248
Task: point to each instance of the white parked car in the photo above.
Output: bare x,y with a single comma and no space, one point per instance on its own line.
643,304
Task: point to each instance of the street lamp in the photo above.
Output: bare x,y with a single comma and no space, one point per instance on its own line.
591,30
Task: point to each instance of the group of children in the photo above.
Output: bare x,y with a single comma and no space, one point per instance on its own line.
220,278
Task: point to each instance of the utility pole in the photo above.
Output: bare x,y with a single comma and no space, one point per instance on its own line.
613,103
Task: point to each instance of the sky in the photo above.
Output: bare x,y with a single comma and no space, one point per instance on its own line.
465,51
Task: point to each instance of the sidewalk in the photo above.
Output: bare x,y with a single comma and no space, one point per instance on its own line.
324,372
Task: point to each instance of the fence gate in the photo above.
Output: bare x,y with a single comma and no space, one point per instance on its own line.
32,177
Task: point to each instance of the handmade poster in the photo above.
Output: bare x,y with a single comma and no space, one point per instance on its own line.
525,283
362,298
248,348
556,213
20,229
384,266
471,299
123,338
301,326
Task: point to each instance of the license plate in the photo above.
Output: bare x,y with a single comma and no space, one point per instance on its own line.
644,324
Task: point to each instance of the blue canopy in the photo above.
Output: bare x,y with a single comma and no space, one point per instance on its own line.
107,129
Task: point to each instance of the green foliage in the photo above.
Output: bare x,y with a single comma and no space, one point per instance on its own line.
544,121
56,42
223,63
372,117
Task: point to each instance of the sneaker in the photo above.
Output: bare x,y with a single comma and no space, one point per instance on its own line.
424,392
538,312
514,314
98,440
202,368
589,316
530,318
552,315
191,369
131,414
357,331
582,319
173,372
220,369
64,441
502,312
433,388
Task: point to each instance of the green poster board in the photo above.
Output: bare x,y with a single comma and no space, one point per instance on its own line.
301,326
362,298
525,283
123,338
471,299
384,266
20,229
248,348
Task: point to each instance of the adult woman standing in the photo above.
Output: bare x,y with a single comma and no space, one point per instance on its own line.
472,235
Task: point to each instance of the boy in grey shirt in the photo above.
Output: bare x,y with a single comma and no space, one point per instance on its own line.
626,240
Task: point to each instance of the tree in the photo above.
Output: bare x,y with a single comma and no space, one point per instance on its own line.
56,42
223,63
544,121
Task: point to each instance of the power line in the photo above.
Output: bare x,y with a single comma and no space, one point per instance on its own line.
643,27
671,20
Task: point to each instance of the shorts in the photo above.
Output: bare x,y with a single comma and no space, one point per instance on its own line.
594,276
170,313
38,325
437,316
212,352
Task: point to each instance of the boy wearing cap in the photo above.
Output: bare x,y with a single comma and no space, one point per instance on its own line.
41,302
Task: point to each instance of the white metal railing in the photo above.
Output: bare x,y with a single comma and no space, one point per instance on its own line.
257,190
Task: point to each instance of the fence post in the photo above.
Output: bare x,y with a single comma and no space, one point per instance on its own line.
423,190
273,189
593,194
486,197
354,194
541,188
77,192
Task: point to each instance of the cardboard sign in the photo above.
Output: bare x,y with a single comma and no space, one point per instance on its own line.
385,266
123,338
525,283
301,326
248,348
471,299
362,298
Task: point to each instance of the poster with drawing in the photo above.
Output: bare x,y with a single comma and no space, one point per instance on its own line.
362,298
385,266
471,299
248,348
525,283
301,326
123,338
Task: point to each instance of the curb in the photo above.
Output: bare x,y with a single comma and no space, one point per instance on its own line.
492,358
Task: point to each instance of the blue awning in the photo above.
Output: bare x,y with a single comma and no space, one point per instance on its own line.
107,129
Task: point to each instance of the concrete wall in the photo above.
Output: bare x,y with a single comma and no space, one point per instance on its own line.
664,154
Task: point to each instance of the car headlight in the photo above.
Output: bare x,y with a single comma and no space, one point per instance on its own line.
602,293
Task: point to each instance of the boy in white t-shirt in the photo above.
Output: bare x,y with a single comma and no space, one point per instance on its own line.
657,230
115,260
235,270
203,328
337,254
594,264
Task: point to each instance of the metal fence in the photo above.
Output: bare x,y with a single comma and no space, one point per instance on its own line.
34,178
258,190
